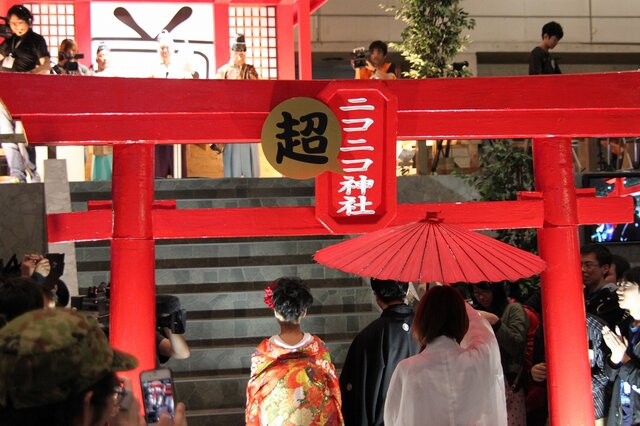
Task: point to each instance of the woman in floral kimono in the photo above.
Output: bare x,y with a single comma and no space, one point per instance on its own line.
293,381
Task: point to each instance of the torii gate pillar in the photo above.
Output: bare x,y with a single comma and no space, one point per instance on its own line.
133,255
562,294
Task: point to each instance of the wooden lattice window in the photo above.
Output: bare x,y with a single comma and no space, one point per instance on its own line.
54,22
258,24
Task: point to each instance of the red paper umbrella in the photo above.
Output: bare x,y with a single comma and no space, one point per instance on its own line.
430,250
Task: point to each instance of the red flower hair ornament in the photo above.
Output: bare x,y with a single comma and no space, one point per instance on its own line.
268,295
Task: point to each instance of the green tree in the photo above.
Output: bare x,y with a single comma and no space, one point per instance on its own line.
433,36
507,169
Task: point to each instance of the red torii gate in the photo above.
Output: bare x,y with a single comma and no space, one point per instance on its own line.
135,114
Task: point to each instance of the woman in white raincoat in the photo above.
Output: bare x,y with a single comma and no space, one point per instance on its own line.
457,377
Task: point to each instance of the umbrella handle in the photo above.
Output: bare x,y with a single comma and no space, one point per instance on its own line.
432,215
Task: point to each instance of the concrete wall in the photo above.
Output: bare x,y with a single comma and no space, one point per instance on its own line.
600,35
22,223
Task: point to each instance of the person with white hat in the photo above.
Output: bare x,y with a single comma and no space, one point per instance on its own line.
167,68
239,159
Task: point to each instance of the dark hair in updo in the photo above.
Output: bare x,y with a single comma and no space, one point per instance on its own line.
291,298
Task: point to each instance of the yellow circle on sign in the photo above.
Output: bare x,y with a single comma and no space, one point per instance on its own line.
301,138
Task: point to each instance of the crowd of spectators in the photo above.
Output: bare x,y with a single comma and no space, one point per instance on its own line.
56,365
479,361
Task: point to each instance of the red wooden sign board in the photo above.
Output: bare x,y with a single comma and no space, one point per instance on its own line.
364,197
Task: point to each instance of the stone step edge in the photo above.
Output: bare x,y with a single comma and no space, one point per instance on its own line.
250,286
209,242
259,290
220,203
177,241
212,412
209,262
330,314
252,345
235,287
310,196
288,189
214,314
255,340
212,377
226,267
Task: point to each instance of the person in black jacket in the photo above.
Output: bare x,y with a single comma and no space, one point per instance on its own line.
623,364
374,355
601,299
23,51
540,61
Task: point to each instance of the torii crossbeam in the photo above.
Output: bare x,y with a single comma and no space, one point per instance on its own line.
133,115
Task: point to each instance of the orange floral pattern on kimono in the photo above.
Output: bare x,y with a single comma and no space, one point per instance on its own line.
293,386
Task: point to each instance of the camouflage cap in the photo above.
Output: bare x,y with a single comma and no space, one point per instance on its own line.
48,355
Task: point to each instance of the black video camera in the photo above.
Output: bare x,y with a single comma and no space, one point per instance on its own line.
5,29
176,321
459,66
360,57
56,260
72,61
95,303
11,269
52,282
169,315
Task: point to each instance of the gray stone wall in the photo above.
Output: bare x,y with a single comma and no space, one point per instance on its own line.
22,222
434,189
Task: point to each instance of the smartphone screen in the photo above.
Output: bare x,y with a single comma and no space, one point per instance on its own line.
158,394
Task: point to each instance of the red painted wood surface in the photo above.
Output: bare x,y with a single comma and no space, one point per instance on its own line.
562,294
380,135
301,221
82,18
230,111
619,188
313,6
285,48
133,309
302,16
221,32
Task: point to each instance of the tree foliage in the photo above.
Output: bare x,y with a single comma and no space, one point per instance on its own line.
507,169
433,36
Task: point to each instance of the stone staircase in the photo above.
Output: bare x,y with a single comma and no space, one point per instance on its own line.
220,282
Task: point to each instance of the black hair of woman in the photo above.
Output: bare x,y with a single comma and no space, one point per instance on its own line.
290,298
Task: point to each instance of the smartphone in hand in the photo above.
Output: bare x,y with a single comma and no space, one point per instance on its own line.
158,394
